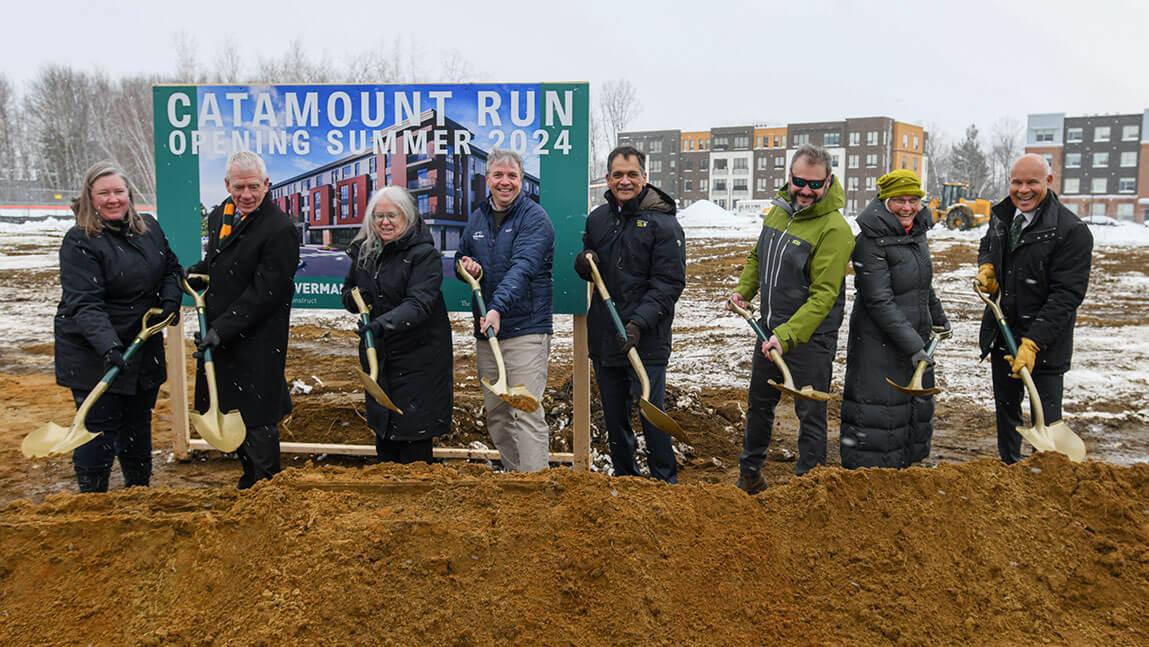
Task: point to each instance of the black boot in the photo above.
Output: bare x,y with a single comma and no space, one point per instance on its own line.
136,475
93,481
751,482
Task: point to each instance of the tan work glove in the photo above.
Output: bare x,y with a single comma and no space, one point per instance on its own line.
987,279
1026,357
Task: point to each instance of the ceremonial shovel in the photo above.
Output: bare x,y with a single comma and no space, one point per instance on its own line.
653,414
517,396
224,431
1057,437
807,392
915,386
51,438
369,384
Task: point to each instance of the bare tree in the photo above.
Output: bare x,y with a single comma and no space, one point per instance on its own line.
296,65
124,130
937,152
969,162
371,66
618,106
455,68
228,67
1005,146
9,133
187,66
61,109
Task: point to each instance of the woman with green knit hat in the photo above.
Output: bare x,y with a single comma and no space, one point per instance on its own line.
895,309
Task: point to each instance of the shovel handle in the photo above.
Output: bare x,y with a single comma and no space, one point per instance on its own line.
477,291
604,294
368,336
745,314
998,315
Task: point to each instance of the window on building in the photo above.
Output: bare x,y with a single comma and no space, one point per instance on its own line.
1043,135
905,140
779,141
917,142
688,185
721,204
740,184
1073,135
656,146
779,183
1072,185
655,166
834,161
779,161
719,185
1125,211
832,139
1097,209
871,183
872,160
855,139
1073,160
720,143
1101,133
914,164
851,205
741,164
852,183
762,184
1048,157
1129,158
1130,133
762,163
704,184
741,141
1100,160
872,138
801,139
852,161
720,163
1099,185
1127,185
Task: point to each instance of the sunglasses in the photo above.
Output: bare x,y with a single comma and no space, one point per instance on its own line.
813,184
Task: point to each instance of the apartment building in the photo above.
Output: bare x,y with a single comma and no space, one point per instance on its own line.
1098,161
727,165
661,148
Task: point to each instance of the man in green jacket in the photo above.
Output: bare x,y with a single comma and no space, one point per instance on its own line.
799,265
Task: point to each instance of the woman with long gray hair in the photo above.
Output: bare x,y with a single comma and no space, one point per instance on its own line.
396,267
115,265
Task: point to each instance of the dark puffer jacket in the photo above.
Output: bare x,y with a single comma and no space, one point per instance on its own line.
1043,281
893,311
109,281
642,259
517,258
402,287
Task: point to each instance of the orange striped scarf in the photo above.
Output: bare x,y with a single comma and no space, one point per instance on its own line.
229,221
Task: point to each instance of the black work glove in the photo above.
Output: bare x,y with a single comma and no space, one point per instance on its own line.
203,342
632,336
195,282
114,358
922,356
582,267
375,326
944,331
171,308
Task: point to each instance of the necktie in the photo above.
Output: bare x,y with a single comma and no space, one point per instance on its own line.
1015,231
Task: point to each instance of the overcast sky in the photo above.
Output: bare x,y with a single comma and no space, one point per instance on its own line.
695,64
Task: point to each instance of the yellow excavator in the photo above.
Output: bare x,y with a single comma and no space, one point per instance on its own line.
958,211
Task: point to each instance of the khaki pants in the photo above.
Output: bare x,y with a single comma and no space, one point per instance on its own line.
522,438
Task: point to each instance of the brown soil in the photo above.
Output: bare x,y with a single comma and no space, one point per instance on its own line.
975,553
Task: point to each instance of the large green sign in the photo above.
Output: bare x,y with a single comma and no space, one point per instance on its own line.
328,147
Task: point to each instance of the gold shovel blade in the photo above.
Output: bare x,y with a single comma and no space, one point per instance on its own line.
1037,437
225,432
520,398
806,392
1066,441
51,439
662,421
921,393
376,392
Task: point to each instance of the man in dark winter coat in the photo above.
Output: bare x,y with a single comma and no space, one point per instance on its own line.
639,248
509,245
895,312
799,265
251,258
1037,253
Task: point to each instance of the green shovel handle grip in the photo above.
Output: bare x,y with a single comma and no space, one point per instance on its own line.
203,331
745,314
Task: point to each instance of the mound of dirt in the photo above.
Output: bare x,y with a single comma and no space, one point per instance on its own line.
1043,551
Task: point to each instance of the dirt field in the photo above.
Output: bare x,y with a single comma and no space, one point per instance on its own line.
961,551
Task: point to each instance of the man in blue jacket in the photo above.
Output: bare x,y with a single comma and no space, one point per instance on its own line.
509,246
639,248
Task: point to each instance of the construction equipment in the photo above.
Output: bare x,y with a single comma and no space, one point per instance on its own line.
1057,436
787,386
370,383
224,431
915,386
517,396
651,413
52,438
957,210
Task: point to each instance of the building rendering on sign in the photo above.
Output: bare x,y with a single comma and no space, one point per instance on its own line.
736,164
328,203
1099,161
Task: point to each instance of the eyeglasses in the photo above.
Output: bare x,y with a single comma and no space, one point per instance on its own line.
387,215
813,184
911,201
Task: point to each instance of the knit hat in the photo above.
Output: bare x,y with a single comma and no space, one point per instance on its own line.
898,183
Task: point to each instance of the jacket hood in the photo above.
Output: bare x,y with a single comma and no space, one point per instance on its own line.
834,200
651,198
875,220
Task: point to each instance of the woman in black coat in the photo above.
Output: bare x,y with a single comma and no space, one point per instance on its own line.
115,264
894,312
395,265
